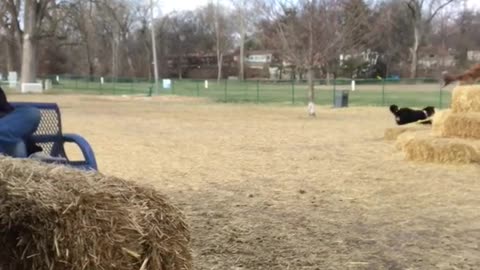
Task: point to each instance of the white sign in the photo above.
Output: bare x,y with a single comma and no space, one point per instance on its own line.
32,88
12,79
48,84
167,84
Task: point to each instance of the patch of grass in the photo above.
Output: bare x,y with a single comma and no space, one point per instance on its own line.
410,93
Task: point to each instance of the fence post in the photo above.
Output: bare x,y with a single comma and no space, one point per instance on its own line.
226,83
245,93
383,92
198,88
334,90
258,91
441,97
293,92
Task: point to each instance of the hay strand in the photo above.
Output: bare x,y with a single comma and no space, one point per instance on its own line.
57,218
466,99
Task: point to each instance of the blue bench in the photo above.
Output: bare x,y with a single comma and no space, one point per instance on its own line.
49,136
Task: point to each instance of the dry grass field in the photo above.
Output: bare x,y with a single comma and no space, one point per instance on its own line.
265,187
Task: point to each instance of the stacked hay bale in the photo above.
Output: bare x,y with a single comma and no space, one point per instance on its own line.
455,133
392,134
57,218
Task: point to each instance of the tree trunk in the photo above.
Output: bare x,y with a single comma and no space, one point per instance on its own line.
414,51
113,59
29,56
11,53
241,74
29,60
128,55
220,64
310,73
311,92
91,66
219,50
180,62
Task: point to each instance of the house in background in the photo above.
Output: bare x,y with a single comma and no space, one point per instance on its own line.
473,55
259,63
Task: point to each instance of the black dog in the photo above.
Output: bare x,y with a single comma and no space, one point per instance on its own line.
405,116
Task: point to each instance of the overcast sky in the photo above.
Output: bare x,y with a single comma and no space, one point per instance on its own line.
171,5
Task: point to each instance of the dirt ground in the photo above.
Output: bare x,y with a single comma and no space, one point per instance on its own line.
265,187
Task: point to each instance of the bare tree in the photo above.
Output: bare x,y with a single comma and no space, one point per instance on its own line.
309,33
10,32
242,17
390,34
34,14
119,18
217,16
218,30
82,14
420,22
246,16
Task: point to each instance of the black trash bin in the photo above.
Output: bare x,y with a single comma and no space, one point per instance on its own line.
341,98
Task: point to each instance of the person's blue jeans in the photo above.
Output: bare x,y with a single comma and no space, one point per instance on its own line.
15,127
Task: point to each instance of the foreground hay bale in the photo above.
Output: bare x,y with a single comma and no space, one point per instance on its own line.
438,120
56,218
421,147
391,134
458,125
405,137
466,99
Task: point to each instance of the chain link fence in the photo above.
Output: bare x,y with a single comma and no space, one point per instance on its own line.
373,92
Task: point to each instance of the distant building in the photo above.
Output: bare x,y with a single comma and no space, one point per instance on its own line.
473,55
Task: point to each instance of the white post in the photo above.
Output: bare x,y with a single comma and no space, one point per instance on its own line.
206,84
154,48
102,81
353,85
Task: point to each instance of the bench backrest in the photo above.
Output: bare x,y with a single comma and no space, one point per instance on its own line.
49,133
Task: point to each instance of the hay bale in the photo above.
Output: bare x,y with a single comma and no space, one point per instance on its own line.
459,125
438,121
466,99
426,148
405,137
391,134
57,218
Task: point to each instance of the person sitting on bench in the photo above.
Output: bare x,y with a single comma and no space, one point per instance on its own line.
16,128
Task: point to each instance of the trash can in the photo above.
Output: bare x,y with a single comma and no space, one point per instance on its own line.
341,98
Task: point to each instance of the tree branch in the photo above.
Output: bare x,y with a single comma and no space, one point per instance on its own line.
438,10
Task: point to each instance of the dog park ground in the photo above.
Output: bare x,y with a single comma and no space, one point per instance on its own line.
266,187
